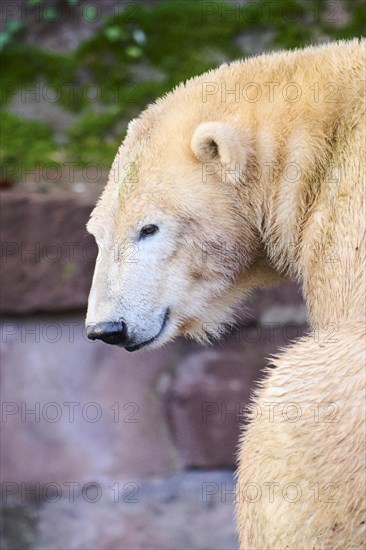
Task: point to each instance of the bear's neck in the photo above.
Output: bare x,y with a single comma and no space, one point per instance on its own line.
314,234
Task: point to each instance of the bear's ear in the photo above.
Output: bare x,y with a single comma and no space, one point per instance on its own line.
219,142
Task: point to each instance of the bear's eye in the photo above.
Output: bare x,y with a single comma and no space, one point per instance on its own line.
148,230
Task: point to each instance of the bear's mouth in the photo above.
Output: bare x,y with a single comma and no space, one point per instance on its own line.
154,338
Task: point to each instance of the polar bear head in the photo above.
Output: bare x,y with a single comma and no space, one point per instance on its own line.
177,228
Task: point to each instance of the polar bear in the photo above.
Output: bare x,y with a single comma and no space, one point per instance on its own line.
239,178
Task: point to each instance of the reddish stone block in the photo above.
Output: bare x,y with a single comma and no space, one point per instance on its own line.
207,396
47,257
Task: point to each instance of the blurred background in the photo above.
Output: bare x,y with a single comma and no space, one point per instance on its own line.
101,449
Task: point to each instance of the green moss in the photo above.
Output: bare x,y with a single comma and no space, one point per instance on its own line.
24,144
356,26
68,271
23,65
19,527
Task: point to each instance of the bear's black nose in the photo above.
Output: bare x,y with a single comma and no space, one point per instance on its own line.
114,332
